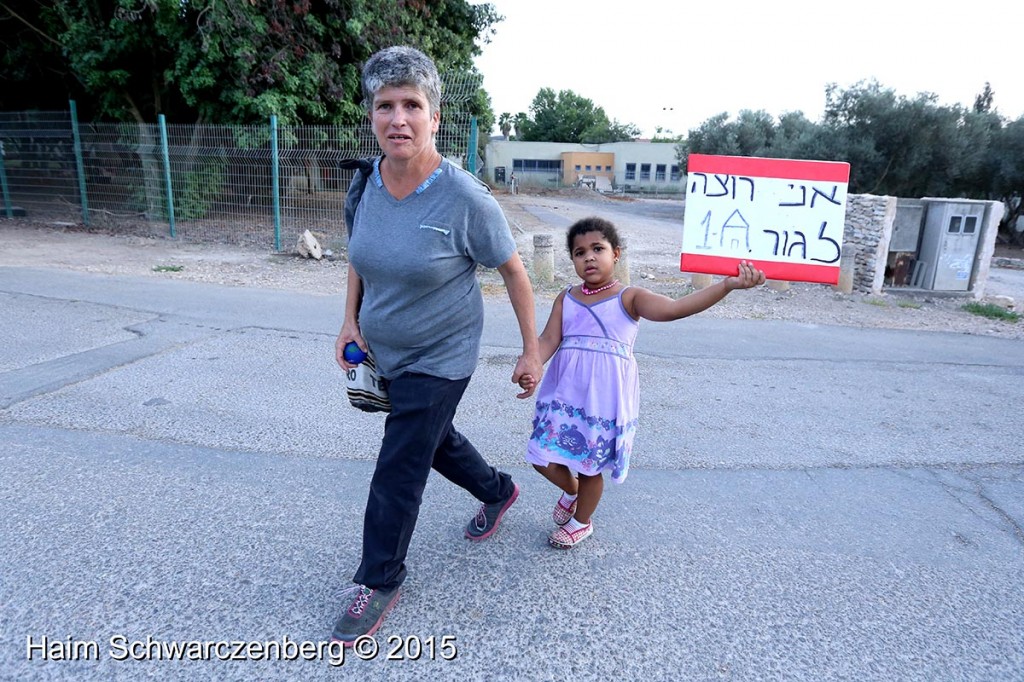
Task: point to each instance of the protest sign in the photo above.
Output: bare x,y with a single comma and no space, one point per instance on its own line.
784,216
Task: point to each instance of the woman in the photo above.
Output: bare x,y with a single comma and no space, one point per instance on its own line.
420,229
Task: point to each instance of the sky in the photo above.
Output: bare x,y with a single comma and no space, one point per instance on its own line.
672,64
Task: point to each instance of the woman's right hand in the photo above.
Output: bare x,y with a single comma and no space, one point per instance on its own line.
349,332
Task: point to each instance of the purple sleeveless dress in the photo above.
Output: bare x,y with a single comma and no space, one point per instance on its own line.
589,398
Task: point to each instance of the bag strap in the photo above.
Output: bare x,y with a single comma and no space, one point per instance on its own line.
363,168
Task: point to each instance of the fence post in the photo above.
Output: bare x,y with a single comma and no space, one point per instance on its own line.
79,164
8,209
471,152
164,152
275,182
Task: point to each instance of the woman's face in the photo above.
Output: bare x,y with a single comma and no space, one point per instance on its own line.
403,123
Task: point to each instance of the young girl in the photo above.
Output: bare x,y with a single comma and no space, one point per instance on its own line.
588,401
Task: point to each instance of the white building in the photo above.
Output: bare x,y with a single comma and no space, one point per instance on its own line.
649,167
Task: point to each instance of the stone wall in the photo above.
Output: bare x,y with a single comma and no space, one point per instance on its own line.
868,231
869,221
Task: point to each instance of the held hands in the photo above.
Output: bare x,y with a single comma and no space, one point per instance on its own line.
528,384
748,277
529,369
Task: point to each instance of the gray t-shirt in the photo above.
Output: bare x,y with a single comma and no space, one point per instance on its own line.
422,310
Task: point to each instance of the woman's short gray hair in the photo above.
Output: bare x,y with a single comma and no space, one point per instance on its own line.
401,66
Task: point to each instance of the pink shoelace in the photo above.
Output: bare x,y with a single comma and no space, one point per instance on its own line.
361,599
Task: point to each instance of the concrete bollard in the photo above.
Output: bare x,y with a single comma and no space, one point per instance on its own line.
846,267
699,280
543,258
622,267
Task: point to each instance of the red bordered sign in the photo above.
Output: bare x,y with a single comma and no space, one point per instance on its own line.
784,216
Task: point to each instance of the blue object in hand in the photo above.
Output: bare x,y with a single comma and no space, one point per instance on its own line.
353,353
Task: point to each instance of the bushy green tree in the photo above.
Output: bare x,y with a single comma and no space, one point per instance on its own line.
610,131
568,117
1008,177
895,145
223,61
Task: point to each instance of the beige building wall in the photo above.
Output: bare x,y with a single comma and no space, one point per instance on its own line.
501,155
575,164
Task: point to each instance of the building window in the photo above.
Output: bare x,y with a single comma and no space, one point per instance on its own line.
577,167
537,165
631,171
588,166
608,169
659,172
676,177
645,172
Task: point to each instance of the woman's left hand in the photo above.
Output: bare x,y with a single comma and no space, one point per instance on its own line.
348,333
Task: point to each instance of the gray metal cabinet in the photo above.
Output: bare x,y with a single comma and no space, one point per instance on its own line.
949,244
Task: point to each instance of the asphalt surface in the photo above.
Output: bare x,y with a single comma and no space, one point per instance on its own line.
180,466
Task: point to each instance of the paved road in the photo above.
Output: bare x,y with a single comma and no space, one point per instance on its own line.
1006,282
807,503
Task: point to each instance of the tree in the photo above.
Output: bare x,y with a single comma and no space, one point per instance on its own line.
983,102
895,145
798,138
479,106
1008,179
753,133
568,117
614,131
662,134
505,123
713,136
901,146
222,62
520,123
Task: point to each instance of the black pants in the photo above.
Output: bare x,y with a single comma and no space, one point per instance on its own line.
418,436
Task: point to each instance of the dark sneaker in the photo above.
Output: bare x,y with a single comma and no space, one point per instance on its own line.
364,614
487,519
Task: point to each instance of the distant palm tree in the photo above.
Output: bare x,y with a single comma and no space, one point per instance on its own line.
505,123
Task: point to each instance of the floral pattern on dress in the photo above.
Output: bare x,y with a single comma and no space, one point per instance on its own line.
589,440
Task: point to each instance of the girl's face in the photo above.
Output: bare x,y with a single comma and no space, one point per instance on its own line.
403,123
594,258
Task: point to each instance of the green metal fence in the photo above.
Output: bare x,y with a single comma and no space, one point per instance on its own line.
256,185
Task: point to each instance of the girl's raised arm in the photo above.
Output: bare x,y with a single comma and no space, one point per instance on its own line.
658,308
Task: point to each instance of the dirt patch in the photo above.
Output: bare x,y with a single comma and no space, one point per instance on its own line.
41,245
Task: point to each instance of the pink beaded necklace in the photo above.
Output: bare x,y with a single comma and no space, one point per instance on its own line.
589,292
